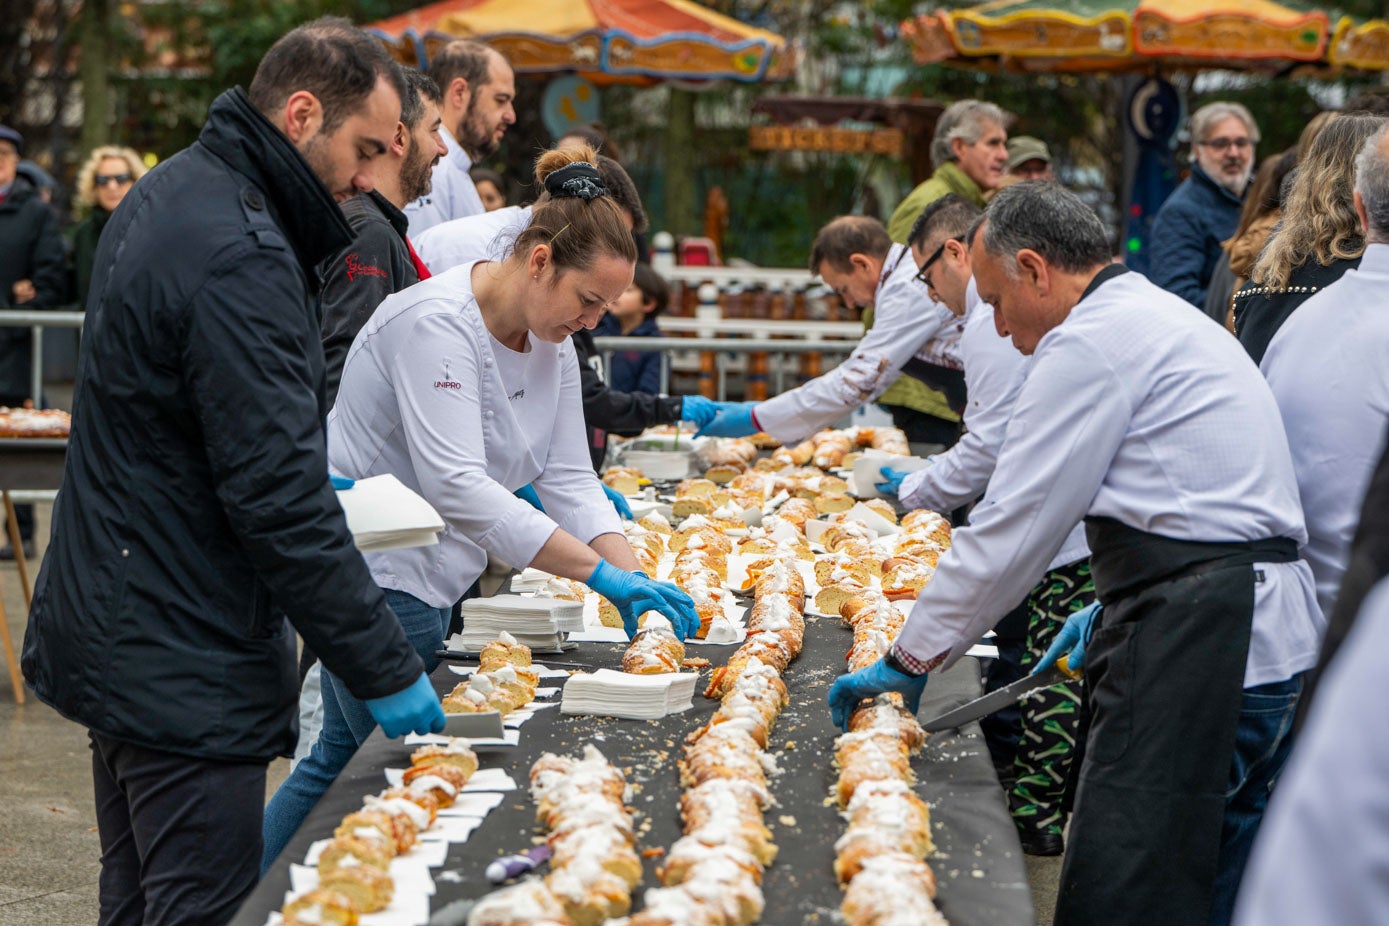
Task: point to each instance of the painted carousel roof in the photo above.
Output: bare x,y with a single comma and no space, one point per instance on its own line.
1095,35
616,39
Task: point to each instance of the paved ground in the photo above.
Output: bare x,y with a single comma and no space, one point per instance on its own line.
49,849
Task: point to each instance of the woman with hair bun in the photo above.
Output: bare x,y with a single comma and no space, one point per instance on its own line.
465,387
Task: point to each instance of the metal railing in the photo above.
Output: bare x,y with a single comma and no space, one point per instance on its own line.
767,336
721,348
36,321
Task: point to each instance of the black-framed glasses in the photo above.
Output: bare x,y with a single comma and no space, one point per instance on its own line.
923,274
102,180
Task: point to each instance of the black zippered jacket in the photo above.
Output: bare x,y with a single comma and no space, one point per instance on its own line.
196,510
609,411
30,249
358,278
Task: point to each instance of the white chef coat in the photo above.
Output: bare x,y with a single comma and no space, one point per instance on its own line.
1140,410
424,397
1322,855
1328,367
994,374
489,236
452,194
906,323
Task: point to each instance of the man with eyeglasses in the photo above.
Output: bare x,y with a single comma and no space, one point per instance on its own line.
32,276
1204,210
913,334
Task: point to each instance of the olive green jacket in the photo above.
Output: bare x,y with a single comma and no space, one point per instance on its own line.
948,178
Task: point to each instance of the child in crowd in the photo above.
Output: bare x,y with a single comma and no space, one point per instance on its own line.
634,315
491,188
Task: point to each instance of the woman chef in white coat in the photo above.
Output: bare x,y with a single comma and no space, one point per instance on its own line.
465,387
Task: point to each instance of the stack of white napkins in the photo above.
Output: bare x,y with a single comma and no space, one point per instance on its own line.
633,697
384,515
530,579
540,623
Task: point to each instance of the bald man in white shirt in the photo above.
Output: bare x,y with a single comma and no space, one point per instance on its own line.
1148,422
1327,369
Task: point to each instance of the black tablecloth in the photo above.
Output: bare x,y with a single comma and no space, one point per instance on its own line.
31,463
979,864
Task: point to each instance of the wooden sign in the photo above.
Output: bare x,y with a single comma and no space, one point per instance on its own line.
843,141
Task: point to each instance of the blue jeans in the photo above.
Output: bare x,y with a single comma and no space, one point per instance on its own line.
346,724
1262,742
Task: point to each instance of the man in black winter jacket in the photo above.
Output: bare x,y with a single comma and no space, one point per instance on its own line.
33,266
196,508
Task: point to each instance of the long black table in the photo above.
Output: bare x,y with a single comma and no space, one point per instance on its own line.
978,864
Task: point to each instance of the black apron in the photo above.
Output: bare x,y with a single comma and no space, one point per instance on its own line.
1165,670
949,383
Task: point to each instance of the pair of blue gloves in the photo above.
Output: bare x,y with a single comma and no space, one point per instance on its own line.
417,709
633,594
527,493
734,419
848,690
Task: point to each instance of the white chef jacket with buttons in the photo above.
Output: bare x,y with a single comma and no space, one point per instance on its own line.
994,374
1328,367
430,396
906,324
1323,850
489,236
452,193
1140,410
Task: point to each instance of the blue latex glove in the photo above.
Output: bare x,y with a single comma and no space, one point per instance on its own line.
733,420
1072,640
414,710
848,690
527,494
634,594
341,482
892,480
617,498
698,409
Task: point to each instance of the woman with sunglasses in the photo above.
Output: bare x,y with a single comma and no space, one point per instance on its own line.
465,387
107,175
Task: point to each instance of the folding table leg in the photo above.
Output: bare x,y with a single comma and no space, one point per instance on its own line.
18,548
16,680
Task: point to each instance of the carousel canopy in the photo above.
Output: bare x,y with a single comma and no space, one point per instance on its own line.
606,40
1095,35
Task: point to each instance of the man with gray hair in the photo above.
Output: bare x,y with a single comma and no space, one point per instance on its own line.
1146,421
1326,368
970,153
969,150
1204,211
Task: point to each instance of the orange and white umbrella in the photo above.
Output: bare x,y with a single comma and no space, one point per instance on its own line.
606,40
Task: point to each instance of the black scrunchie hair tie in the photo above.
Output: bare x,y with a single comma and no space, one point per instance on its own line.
579,179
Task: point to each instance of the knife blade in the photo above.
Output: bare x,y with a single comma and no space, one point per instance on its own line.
997,700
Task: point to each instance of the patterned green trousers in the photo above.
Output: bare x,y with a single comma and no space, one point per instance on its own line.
1050,718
